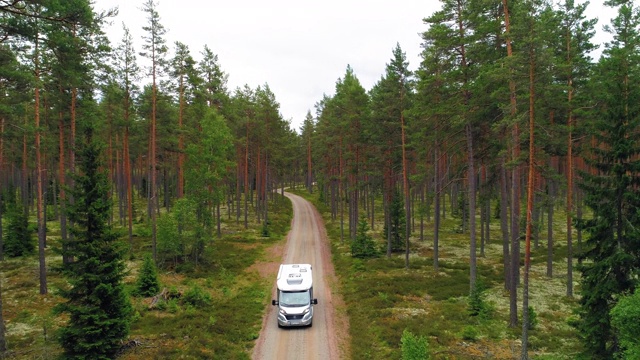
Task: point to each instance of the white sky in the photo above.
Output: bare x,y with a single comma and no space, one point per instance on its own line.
299,48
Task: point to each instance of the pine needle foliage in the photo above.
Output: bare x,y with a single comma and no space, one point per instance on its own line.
98,307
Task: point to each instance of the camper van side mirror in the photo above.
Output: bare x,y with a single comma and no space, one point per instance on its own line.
314,301
274,302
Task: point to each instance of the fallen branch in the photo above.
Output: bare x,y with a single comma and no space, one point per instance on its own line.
164,295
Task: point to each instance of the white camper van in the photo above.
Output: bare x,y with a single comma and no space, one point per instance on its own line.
295,295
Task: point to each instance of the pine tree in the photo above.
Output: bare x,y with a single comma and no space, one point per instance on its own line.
96,302
154,49
127,73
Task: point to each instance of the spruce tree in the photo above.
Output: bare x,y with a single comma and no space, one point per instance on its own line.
610,261
363,246
18,240
147,283
397,223
98,307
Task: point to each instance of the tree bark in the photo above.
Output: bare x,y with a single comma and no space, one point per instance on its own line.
530,187
39,172
246,178
515,188
405,183
436,210
569,180
181,140
3,341
2,122
127,168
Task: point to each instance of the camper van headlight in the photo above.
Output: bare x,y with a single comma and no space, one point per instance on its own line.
283,312
306,311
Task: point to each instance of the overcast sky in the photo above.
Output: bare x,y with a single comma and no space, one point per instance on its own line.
299,48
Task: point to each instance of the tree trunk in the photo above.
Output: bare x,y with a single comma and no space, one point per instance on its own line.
62,181
127,170
405,185
153,196
39,173
515,188
504,221
246,179
436,210
181,140
2,121
3,341
530,187
472,208
569,212
569,184
550,210
309,169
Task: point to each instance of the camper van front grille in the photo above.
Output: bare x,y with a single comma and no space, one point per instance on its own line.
294,317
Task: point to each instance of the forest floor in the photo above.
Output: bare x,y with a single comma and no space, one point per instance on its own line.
224,327
385,298
382,297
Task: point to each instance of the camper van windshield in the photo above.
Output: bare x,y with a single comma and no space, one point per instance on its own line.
297,298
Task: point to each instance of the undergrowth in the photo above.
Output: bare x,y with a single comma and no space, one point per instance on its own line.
384,299
214,310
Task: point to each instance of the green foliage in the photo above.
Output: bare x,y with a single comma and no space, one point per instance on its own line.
181,237
147,283
533,318
610,262
265,230
96,302
364,245
414,347
477,305
625,320
18,239
207,162
398,222
470,333
197,297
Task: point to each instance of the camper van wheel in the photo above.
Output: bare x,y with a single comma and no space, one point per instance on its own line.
311,324
280,326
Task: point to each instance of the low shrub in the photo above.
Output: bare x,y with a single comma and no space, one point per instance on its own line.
414,347
197,297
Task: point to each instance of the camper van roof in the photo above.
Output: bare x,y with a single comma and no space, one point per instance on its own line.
294,277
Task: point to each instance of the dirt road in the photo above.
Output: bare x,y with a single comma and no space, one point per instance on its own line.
306,243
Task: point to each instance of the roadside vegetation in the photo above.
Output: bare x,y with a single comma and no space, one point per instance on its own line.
212,310
384,300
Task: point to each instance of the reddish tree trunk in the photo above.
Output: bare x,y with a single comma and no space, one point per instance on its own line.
530,187
569,181
62,182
